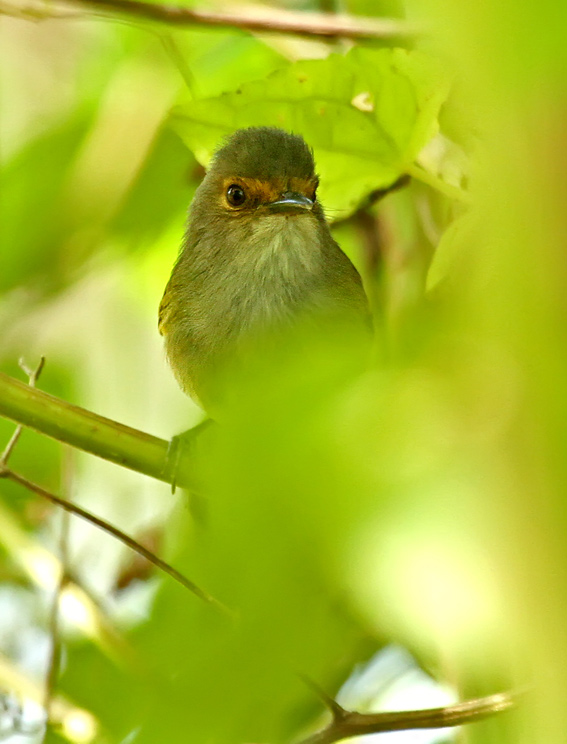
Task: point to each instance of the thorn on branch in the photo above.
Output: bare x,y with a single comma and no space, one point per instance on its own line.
337,710
33,376
351,724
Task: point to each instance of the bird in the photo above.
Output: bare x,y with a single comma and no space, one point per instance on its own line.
257,259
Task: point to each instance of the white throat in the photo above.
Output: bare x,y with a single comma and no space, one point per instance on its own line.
285,245
273,273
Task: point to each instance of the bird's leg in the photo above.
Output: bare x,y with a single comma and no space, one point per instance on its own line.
179,446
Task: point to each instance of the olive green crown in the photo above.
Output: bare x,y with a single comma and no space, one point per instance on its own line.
264,153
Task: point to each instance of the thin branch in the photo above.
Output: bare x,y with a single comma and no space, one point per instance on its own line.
55,650
87,431
267,20
378,194
115,532
33,376
353,724
372,198
372,238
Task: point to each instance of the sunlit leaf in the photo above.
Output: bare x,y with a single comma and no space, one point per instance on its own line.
366,116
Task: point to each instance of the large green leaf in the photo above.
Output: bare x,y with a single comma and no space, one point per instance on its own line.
218,61
366,115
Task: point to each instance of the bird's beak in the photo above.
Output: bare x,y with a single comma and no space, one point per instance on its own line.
291,202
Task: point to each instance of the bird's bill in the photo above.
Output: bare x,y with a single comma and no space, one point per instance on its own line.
291,202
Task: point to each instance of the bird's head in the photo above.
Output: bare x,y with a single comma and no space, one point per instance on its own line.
261,181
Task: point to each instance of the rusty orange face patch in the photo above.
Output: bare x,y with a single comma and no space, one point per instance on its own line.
259,193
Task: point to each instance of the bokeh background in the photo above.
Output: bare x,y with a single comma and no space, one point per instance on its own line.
421,504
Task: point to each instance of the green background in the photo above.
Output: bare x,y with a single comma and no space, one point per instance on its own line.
422,502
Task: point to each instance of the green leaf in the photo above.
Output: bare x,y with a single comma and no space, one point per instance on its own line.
144,216
452,253
277,508
366,115
219,61
33,230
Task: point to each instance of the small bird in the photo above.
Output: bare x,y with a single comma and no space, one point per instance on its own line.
257,257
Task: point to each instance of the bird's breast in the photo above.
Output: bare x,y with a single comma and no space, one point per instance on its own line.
231,286
285,246
253,275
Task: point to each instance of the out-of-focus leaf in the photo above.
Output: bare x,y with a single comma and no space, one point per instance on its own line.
32,230
162,191
389,8
220,61
366,115
452,254
97,681
267,547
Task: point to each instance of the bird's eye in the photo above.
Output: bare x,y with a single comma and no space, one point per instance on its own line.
235,195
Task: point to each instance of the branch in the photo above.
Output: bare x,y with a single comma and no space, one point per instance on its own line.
373,198
267,20
5,472
350,724
89,432
54,654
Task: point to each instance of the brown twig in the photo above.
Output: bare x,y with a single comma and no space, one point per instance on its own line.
351,724
337,711
5,472
375,196
372,236
315,25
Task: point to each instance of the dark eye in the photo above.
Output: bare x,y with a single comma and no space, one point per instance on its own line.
235,195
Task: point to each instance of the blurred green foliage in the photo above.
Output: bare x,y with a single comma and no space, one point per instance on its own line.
366,114
422,500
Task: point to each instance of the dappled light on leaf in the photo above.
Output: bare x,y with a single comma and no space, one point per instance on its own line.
358,148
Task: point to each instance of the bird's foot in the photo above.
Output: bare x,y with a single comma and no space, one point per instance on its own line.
179,447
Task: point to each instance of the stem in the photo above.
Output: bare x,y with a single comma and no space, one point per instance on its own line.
352,724
115,532
54,655
275,21
89,432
